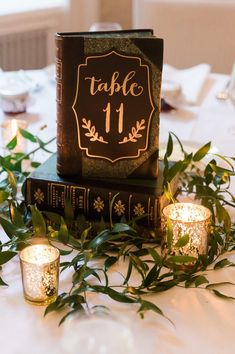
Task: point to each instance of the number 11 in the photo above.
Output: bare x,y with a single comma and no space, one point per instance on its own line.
107,110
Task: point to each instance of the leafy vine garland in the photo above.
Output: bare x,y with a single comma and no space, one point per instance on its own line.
85,242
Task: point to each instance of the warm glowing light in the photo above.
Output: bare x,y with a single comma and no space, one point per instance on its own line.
188,219
10,129
40,273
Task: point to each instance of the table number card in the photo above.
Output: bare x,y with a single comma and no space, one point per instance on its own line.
108,94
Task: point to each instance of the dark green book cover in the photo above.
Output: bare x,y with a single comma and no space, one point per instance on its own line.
108,103
92,197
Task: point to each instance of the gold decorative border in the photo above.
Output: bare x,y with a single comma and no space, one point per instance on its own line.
150,98
72,188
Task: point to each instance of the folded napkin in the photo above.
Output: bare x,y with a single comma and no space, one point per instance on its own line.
190,80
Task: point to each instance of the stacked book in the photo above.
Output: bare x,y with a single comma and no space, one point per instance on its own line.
108,105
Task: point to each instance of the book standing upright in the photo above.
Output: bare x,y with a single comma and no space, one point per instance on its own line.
108,103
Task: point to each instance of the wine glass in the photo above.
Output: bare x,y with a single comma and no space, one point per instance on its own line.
105,26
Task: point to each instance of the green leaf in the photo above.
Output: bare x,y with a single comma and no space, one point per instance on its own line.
176,168
226,159
147,305
85,234
3,196
201,279
179,142
109,262
35,164
201,152
8,227
68,211
169,234
79,308
38,222
223,263
12,144
27,135
12,181
220,171
102,237
181,259
222,283
2,282
57,304
129,271
157,258
54,218
182,241
80,274
223,296
141,264
16,217
65,252
113,294
120,227
169,147
164,285
5,256
151,276
190,280
63,234
73,299
223,215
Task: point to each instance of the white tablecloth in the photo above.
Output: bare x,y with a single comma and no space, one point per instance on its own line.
203,323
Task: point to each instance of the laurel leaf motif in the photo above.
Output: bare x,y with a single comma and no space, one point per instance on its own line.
92,133
134,135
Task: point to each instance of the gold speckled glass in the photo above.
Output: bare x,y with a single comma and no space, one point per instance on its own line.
40,273
193,220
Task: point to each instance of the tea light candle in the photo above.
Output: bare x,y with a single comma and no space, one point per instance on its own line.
40,273
193,220
10,129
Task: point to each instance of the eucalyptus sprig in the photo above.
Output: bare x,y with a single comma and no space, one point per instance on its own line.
92,252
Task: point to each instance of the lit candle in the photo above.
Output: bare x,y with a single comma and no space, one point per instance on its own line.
192,220
40,273
10,129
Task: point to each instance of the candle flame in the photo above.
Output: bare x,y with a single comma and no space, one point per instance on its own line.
14,127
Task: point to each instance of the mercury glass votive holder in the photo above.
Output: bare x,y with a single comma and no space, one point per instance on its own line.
188,219
40,273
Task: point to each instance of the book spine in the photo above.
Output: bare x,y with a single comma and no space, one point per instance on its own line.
68,155
95,202
59,96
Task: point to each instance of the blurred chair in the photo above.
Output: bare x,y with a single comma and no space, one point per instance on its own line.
194,31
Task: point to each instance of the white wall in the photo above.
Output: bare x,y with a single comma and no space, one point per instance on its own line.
193,31
119,11
81,14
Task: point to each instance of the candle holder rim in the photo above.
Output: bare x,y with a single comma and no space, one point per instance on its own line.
43,263
188,203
